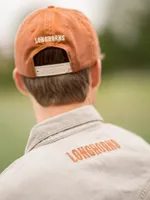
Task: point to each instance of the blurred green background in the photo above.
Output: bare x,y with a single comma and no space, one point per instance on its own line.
124,95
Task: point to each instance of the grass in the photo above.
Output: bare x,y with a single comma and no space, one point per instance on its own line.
123,99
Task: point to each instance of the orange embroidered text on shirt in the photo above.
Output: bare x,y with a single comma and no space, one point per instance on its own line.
91,150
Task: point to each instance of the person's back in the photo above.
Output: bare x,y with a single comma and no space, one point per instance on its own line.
81,158
71,153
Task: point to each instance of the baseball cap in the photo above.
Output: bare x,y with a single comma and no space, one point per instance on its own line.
63,28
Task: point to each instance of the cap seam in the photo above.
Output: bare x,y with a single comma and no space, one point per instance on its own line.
71,57
88,31
27,21
48,23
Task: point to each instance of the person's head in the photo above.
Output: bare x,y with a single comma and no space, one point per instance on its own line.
57,58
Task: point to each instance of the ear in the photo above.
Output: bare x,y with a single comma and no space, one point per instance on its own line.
19,83
96,74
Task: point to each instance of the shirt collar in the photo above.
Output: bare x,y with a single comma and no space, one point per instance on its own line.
61,123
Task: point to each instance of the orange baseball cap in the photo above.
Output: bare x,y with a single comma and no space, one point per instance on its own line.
56,27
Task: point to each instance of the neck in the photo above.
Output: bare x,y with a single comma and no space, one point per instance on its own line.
42,113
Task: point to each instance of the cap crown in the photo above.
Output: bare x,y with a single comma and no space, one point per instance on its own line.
56,27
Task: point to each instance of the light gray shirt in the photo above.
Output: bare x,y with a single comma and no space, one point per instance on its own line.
76,156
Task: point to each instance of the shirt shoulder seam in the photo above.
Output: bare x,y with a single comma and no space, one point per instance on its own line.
145,190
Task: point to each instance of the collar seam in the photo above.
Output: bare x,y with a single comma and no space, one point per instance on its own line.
64,130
